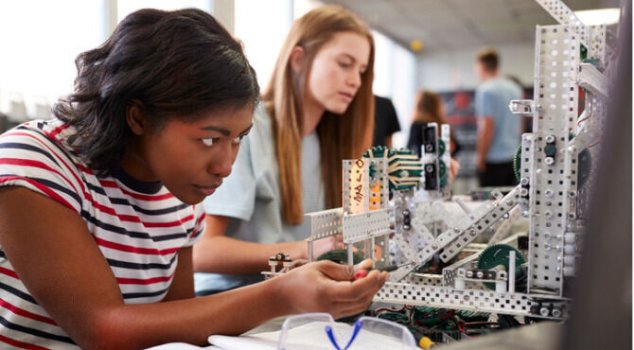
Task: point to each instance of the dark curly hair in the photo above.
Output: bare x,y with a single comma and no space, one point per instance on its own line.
171,63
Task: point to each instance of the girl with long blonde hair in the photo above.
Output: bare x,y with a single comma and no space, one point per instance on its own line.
317,111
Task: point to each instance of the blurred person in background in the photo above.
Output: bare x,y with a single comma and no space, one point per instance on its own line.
498,129
430,108
385,121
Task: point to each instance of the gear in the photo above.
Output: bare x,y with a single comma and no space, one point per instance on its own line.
442,147
498,254
442,173
378,152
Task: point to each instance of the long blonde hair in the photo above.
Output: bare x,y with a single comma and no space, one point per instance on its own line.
428,105
340,136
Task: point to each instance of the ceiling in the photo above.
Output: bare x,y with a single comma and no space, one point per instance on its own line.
444,25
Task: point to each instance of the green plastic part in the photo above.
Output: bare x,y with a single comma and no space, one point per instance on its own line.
442,147
550,150
340,256
498,254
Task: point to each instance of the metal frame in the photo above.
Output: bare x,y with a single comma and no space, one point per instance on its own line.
549,194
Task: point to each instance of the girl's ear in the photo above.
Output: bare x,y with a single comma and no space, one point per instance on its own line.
135,118
297,59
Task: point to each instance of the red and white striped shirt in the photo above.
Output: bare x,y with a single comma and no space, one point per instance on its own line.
138,227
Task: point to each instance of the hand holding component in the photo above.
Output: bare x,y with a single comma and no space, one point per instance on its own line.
364,272
324,286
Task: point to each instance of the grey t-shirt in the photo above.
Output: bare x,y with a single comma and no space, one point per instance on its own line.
250,197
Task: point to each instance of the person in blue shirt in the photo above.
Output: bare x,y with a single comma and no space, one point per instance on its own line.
498,129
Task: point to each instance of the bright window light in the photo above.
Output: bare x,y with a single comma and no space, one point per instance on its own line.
262,27
126,7
599,16
39,41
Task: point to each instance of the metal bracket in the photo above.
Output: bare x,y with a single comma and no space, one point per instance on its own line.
522,107
591,79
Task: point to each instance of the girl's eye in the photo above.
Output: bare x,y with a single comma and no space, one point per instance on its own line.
345,64
238,139
210,141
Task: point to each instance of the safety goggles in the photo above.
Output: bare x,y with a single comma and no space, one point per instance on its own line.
319,331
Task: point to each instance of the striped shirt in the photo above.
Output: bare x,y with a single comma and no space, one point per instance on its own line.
138,227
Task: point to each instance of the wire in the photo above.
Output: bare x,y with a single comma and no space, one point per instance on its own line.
594,144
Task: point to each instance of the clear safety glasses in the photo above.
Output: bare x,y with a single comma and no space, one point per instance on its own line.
318,331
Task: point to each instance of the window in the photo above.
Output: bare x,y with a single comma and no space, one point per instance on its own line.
125,7
262,26
40,41
395,77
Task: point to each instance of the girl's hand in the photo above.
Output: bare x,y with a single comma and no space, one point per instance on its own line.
326,286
